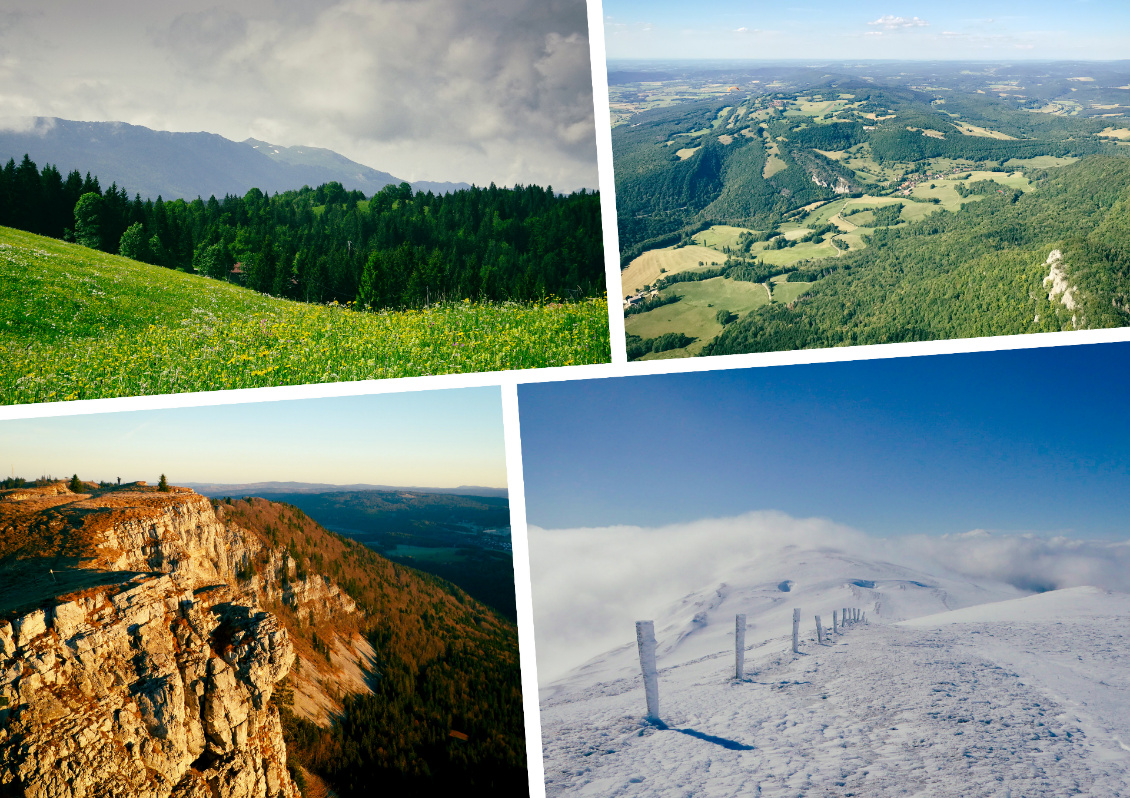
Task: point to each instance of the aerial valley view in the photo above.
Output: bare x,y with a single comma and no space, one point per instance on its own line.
779,206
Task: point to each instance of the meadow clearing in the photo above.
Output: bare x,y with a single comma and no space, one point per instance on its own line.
975,130
696,313
76,323
651,265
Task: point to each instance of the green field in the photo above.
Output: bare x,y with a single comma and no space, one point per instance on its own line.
1039,162
784,291
653,264
76,323
694,315
720,235
946,192
790,255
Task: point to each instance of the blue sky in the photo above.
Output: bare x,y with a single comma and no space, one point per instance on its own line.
1016,441
438,438
825,30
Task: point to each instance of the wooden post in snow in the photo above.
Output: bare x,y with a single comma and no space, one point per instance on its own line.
835,622
645,639
819,631
796,631
739,647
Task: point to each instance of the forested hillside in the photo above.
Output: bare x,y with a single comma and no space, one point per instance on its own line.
396,249
465,539
884,203
446,708
979,271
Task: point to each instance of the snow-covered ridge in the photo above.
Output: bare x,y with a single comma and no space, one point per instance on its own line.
956,686
817,581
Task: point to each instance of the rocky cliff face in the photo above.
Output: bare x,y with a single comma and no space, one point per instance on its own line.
155,677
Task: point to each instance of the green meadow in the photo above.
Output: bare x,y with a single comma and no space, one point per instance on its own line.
76,323
695,314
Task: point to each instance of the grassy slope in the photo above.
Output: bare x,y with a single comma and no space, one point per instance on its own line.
646,269
80,324
695,314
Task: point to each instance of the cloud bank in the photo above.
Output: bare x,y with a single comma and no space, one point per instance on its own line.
591,584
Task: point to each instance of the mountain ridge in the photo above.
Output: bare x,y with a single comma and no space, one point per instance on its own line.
953,686
250,488
183,165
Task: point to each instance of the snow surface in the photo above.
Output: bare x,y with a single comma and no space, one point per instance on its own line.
953,688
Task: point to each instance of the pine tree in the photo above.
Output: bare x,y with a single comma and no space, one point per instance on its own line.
163,484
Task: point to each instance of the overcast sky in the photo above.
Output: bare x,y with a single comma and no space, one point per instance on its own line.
1019,441
435,439
831,29
460,90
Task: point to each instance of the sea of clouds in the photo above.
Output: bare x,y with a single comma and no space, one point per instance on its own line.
586,582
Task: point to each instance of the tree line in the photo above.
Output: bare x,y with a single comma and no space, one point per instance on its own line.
395,249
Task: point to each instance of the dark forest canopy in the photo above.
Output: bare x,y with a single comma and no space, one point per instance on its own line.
396,249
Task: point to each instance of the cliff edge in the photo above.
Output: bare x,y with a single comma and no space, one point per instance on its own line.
136,656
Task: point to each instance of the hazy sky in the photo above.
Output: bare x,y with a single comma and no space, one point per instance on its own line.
437,438
829,29
461,90
1018,441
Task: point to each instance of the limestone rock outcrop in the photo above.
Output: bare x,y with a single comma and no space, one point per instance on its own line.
157,684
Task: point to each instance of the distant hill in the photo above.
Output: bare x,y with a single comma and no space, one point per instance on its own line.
186,165
259,488
462,538
636,76
351,174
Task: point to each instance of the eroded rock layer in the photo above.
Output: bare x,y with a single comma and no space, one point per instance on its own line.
154,677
